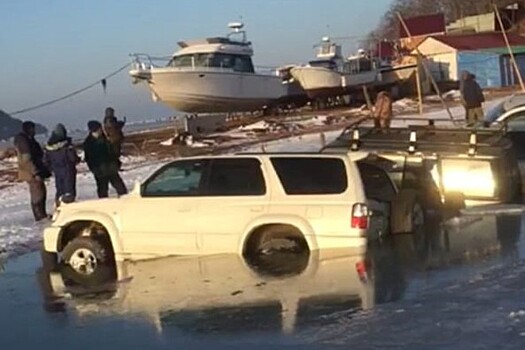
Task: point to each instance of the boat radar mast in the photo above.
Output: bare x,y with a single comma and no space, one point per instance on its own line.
236,29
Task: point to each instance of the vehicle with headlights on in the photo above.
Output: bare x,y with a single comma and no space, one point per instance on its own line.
510,114
470,166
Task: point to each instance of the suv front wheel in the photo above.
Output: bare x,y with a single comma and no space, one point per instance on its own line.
85,255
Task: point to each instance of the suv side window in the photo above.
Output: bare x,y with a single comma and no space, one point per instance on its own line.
236,177
177,179
376,182
303,176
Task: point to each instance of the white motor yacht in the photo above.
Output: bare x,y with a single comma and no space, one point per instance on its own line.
211,75
332,75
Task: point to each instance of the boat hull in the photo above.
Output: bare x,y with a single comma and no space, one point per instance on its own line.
321,82
318,82
398,74
214,91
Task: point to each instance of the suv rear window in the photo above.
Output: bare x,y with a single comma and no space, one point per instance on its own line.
311,175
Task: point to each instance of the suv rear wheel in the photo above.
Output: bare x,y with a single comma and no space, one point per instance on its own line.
419,229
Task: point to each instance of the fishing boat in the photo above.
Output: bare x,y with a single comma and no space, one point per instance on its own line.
212,75
331,74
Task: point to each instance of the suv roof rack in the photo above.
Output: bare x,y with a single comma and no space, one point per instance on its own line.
423,137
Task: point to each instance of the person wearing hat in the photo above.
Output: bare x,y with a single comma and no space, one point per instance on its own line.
113,130
471,97
102,161
31,168
61,158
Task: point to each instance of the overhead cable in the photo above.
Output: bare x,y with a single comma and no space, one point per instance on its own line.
65,97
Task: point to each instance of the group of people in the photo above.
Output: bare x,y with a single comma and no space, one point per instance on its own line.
472,100
59,158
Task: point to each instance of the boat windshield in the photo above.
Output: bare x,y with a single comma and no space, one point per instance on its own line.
358,65
237,63
324,64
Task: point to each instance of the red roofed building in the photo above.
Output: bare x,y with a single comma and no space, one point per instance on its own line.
423,25
484,54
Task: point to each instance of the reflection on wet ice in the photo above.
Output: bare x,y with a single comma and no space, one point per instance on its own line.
280,292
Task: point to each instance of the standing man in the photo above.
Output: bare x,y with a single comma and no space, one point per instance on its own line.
113,130
102,161
471,97
31,168
383,110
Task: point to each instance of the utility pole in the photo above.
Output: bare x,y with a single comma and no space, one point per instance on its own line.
512,58
427,70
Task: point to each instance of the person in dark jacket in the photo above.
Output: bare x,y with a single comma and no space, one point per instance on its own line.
61,158
113,130
102,161
471,97
31,168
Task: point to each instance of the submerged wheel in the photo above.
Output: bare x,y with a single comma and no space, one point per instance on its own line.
419,229
277,250
85,255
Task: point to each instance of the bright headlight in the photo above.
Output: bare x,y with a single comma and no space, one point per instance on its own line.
473,178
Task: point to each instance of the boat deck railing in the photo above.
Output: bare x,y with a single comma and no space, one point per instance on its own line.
143,61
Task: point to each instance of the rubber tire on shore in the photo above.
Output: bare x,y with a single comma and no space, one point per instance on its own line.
86,244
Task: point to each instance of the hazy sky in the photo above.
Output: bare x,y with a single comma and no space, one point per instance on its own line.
53,47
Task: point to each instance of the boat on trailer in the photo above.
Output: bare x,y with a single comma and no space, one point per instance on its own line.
212,75
331,75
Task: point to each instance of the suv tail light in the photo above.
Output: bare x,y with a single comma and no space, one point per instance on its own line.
360,216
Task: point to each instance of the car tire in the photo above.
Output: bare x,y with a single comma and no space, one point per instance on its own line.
402,211
279,240
85,254
420,231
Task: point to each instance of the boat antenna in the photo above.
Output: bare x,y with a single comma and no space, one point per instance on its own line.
236,29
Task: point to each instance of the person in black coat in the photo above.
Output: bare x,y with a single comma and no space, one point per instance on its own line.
471,97
31,168
61,157
102,161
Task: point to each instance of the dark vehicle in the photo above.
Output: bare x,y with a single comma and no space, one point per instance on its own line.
510,114
468,166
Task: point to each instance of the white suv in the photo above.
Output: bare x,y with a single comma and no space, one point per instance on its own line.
228,204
